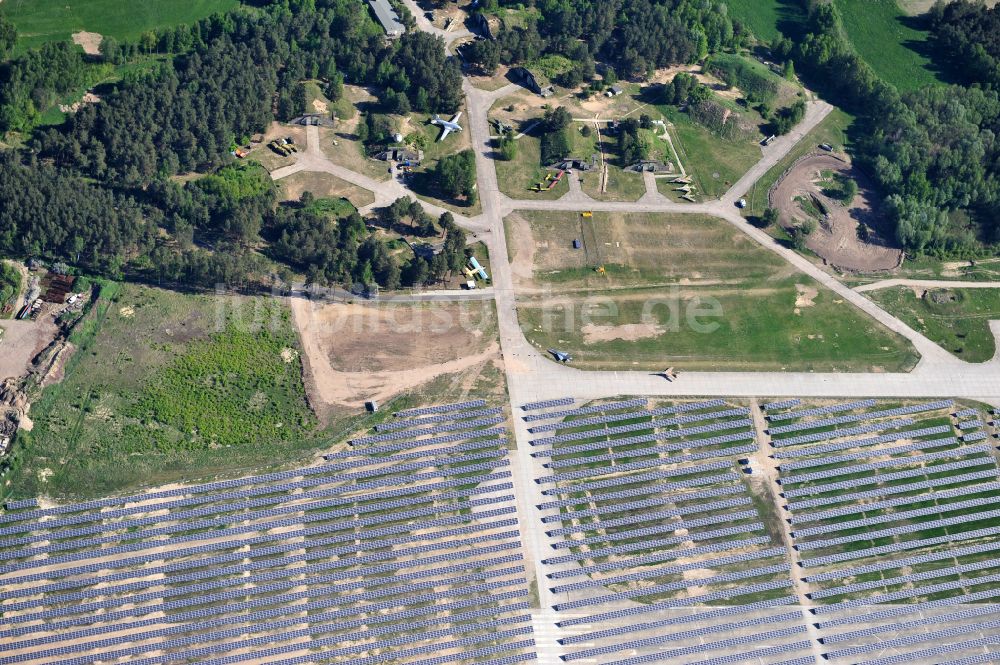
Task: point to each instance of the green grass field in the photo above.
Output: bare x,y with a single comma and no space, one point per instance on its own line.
956,319
40,21
715,163
661,272
879,31
517,176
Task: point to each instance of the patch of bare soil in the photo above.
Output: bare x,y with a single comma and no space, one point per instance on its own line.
320,106
90,41
522,249
629,332
88,98
22,341
358,352
836,239
805,296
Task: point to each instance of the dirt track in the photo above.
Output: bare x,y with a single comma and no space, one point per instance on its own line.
836,237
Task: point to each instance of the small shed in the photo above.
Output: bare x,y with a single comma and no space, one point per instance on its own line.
576,243
371,406
614,91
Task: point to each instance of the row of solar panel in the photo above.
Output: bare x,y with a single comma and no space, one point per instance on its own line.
653,415
218,513
938,496
837,433
244,568
969,424
697,647
635,466
647,438
855,417
651,537
443,408
875,466
895,564
965,413
614,482
279,490
586,410
915,592
901,580
262,591
887,477
659,515
900,610
934,636
264,626
208,617
906,626
796,465
660,556
823,410
727,594
647,573
246,609
22,504
312,550
392,447
437,429
623,429
258,578
659,488
881,550
652,450
901,515
674,619
974,436
784,404
895,531
135,547
439,418
214,521
240,618
659,528
547,404
860,443
255,481
633,505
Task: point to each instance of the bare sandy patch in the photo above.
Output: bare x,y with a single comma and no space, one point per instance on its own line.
805,295
836,239
629,332
90,41
320,106
288,355
358,352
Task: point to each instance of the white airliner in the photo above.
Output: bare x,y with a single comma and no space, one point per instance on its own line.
448,126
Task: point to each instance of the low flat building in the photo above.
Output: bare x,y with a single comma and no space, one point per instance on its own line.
388,17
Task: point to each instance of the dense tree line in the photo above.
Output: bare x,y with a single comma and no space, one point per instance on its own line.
554,142
97,191
933,151
966,38
635,36
632,147
455,176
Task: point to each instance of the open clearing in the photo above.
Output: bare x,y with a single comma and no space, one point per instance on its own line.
164,385
324,185
956,319
376,351
889,41
682,290
836,238
40,21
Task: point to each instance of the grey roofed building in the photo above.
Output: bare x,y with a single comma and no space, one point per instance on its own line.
388,17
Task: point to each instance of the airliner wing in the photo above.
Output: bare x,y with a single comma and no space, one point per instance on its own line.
457,116
444,133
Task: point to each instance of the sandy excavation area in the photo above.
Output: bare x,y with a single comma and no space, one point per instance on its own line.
374,351
836,238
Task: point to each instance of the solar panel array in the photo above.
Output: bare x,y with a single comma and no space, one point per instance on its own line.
654,515
404,558
899,542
